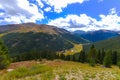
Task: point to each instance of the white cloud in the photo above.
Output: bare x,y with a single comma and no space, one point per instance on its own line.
87,23
47,9
40,3
112,11
60,4
1,13
74,22
20,10
110,21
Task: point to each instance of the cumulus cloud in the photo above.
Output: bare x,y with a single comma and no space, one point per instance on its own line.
47,9
17,11
87,23
110,21
58,5
72,21
21,11
40,3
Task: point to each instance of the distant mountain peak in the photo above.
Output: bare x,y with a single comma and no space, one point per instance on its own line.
97,35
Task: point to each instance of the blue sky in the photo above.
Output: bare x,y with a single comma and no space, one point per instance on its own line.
68,14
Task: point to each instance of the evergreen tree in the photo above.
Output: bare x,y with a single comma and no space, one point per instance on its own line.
108,59
99,56
73,59
118,64
76,57
67,57
62,56
83,56
114,57
4,58
92,62
79,60
57,56
102,56
92,56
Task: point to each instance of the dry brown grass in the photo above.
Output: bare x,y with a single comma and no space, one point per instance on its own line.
22,64
68,70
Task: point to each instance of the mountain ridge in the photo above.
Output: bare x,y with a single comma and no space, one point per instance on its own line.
97,35
27,27
108,44
28,37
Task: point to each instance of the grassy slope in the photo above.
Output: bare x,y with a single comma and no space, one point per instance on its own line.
62,70
77,48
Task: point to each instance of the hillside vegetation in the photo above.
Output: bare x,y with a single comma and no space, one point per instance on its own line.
30,37
109,44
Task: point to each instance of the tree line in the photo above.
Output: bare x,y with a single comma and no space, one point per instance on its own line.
93,57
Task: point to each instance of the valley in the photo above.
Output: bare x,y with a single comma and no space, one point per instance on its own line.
59,40
44,52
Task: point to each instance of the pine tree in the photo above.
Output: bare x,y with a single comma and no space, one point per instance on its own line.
4,58
102,56
83,56
118,64
108,59
99,56
62,56
79,60
67,57
73,59
92,56
92,62
114,57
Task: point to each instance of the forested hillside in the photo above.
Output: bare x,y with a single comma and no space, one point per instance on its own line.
30,38
109,44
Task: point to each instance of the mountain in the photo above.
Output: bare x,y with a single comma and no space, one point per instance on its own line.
98,35
31,37
27,27
109,44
